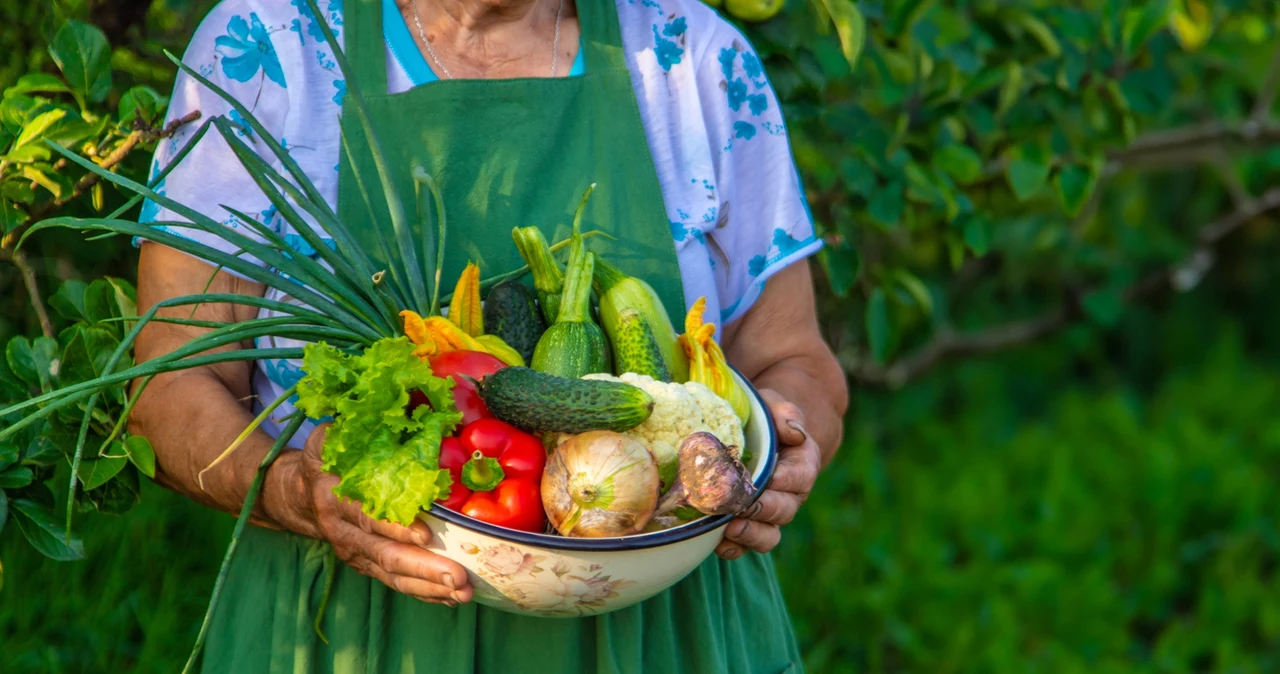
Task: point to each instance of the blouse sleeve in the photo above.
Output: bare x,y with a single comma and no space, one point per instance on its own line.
764,223
232,48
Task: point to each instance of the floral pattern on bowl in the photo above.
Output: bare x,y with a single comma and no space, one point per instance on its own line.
559,588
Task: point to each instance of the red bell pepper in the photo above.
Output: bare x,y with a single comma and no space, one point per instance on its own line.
497,475
473,364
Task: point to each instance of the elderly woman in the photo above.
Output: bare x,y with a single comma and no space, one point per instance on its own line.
515,105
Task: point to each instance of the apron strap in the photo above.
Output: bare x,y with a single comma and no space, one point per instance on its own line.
366,49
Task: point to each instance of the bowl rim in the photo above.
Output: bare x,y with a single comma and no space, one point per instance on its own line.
637,541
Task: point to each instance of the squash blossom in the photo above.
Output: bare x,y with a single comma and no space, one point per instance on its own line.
436,334
707,364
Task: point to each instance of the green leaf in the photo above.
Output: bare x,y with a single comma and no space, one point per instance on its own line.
34,129
887,203
1037,28
916,288
878,329
16,477
100,301
977,234
841,263
960,162
82,54
29,153
4,518
13,112
850,25
9,454
1104,306
33,362
906,13
44,532
1075,184
88,353
858,176
69,300
1011,90
1192,24
36,83
1028,171
95,473
126,297
142,103
1141,24
44,176
11,215
141,454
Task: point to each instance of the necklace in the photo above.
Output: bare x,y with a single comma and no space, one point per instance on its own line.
555,42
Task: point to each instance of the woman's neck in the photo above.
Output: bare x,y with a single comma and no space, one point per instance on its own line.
494,38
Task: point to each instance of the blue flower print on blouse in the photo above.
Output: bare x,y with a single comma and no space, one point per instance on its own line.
246,49
669,51
736,90
241,124
679,231
313,26
784,243
744,130
341,86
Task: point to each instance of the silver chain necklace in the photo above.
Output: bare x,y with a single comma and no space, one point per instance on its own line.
555,43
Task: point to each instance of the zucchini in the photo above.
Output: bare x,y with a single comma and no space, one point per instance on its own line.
574,346
511,312
535,401
619,292
548,279
634,348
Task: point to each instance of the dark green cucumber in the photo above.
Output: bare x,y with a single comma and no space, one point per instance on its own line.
511,312
635,349
535,401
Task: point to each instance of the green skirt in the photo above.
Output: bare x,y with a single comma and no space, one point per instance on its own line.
725,617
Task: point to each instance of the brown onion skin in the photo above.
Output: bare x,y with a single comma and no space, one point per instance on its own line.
580,465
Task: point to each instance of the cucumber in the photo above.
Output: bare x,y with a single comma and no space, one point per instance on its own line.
635,349
535,401
511,312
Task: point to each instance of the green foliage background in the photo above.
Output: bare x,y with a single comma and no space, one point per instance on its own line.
1049,277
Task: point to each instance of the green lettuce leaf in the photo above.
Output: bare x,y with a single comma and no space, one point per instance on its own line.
387,460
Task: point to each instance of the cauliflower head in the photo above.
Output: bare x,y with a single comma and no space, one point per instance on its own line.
679,410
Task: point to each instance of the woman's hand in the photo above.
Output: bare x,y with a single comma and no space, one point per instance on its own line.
385,551
799,459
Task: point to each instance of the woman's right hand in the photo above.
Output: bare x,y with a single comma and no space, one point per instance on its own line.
393,554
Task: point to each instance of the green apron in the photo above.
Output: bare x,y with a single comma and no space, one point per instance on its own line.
506,153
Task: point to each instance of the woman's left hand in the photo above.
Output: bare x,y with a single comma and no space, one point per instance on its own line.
799,459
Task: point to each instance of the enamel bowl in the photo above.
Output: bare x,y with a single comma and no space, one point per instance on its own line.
557,577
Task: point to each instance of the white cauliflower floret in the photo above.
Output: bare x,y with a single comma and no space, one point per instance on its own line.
679,410
718,416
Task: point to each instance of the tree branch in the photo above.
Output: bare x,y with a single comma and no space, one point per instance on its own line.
20,261
946,344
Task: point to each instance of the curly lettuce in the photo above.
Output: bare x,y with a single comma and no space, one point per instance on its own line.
386,459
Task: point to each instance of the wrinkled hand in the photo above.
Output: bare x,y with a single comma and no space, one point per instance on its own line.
385,551
760,527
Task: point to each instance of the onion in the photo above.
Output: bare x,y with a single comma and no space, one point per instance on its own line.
600,484
710,479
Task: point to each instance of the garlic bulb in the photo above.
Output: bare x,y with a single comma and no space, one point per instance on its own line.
600,484
711,479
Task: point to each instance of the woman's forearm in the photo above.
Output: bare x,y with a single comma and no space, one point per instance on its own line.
815,385
190,419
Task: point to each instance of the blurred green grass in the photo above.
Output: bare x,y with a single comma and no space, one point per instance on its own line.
995,524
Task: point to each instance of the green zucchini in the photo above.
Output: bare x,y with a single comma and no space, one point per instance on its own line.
635,349
574,346
535,401
619,292
511,312
548,279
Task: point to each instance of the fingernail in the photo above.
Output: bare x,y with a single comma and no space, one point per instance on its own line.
731,553
795,425
421,537
448,581
451,603
455,597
